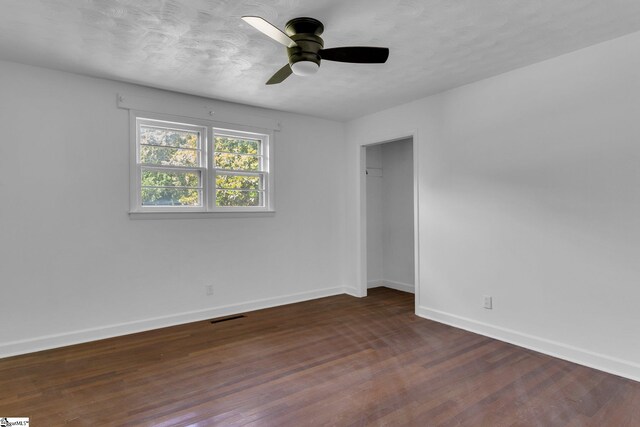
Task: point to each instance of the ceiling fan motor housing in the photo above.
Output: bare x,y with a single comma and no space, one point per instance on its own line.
304,58
305,47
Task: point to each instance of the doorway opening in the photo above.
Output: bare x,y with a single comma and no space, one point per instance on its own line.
389,215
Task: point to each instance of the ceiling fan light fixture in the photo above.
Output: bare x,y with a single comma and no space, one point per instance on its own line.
305,47
304,68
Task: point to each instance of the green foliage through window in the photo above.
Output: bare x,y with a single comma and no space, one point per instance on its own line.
241,155
170,188
167,156
240,182
169,147
170,197
238,198
236,145
178,166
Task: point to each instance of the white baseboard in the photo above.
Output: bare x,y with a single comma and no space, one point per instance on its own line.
602,362
353,292
399,286
375,283
404,287
584,357
47,342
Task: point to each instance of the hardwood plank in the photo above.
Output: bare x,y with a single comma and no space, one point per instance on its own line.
333,361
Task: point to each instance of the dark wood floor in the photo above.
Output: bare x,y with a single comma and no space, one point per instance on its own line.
338,361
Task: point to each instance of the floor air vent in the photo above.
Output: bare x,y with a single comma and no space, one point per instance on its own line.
225,319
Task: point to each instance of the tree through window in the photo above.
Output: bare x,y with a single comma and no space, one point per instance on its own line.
193,167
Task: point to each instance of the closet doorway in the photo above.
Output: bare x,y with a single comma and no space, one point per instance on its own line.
389,214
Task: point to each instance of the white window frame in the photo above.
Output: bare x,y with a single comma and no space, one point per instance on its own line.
208,131
264,171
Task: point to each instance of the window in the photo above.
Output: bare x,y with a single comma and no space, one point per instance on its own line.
187,165
171,163
239,170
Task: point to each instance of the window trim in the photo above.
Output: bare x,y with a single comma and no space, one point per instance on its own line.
206,167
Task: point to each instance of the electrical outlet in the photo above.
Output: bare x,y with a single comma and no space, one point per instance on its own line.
208,289
488,302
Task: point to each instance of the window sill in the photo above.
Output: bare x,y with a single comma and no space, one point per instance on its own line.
200,215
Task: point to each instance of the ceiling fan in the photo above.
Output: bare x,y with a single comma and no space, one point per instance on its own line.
305,47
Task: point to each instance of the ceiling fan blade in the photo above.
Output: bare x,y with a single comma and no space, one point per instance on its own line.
280,75
357,54
269,29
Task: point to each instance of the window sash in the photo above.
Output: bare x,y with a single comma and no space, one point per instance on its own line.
175,206
239,172
238,154
201,189
171,168
262,154
174,126
263,170
171,126
199,168
177,147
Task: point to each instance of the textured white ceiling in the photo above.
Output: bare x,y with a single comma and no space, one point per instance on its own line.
202,47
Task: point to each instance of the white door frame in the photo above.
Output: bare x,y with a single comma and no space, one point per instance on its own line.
362,241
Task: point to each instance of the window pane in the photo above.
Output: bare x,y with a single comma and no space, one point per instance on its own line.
244,182
171,197
169,137
237,162
237,145
168,156
238,198
153,178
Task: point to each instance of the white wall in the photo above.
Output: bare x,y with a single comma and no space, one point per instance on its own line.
73,265
397,214
529,189
374,216
528,186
